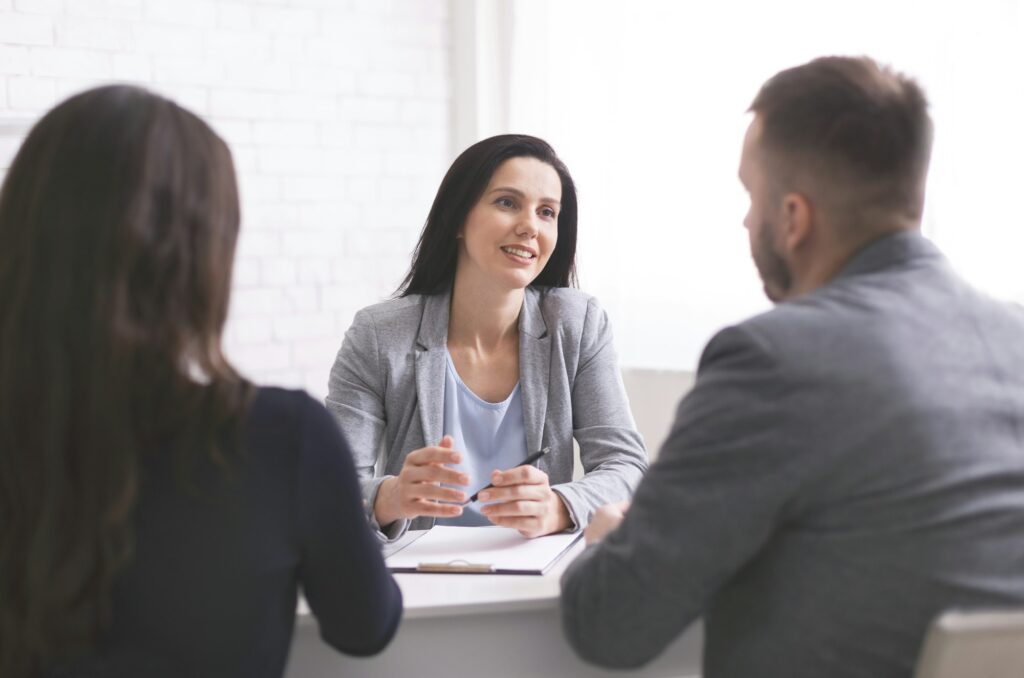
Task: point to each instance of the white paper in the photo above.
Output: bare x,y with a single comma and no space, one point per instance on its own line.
499,547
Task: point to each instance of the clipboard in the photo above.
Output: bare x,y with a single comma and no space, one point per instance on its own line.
479,550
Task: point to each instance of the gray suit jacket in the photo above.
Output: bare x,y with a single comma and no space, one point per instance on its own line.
848,465
387,390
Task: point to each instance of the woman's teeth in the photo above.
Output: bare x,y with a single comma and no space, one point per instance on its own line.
518,252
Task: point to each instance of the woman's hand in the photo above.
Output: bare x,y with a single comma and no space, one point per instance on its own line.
523,500
417,491
606,519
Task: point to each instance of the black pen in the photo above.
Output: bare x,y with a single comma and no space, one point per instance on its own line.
529,460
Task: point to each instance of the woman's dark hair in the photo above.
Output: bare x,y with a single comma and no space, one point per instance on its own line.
433,261
118,222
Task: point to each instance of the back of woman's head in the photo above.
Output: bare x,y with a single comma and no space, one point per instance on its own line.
433,264
118,222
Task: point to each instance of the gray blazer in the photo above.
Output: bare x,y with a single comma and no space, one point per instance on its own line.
387,391
847,465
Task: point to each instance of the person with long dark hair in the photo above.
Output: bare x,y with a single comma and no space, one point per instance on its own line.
157,511
487,356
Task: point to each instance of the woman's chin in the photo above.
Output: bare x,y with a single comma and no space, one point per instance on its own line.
515,279
502,278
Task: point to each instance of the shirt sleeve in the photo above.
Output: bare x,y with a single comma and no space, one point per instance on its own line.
356,399
611,450
354,598
708,504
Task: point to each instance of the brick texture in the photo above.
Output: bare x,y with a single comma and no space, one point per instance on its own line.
337,115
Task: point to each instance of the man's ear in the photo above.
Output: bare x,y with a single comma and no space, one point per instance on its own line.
797,220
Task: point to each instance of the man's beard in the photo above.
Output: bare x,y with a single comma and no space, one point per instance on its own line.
773,269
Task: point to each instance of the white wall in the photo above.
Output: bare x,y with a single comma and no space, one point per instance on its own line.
338,115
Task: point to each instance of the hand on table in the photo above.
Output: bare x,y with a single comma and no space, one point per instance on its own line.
606,519
416,490
523,500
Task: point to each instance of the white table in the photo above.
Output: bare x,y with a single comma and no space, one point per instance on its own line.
486,626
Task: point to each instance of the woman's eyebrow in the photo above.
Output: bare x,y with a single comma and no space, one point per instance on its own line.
516,191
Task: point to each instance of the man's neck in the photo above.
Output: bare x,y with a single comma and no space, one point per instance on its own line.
823,266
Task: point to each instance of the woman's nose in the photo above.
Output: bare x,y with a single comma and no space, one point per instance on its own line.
528,225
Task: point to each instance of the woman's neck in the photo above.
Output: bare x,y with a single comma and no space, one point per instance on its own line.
482,317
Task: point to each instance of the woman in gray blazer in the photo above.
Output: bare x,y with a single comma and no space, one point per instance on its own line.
487,355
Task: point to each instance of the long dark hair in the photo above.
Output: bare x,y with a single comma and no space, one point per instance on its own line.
118,222
433,261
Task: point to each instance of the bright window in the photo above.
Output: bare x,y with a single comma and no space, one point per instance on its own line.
645,101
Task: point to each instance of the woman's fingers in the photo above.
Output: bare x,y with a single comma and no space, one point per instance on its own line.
417,490
540,510
434,474
520,475
435,509
514,493
517,484
423,474
517,508
432,455
435,493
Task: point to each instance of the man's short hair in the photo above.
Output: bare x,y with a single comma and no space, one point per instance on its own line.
847,125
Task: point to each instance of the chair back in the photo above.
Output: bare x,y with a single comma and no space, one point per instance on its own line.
982,644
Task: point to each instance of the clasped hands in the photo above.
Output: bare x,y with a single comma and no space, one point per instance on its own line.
521,497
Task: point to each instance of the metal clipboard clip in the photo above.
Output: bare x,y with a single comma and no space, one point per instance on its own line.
457,566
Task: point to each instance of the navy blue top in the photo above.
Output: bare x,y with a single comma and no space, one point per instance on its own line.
219,558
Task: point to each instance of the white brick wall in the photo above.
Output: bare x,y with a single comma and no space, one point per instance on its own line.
337,112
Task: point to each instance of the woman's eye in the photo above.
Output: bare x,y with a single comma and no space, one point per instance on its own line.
548,212
505,202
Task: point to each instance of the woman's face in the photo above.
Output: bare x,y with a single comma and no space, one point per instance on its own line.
512,230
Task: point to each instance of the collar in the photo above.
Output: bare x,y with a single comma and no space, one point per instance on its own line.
894,249
433,330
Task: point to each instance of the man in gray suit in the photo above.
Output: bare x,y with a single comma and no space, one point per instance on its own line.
848,464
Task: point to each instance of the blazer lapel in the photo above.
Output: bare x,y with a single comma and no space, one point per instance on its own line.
534,368
430,364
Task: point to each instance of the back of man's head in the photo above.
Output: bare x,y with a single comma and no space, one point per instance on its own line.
854,136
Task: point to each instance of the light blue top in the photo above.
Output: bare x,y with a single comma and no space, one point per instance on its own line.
489,435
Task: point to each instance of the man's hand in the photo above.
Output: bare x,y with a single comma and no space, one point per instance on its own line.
606,519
